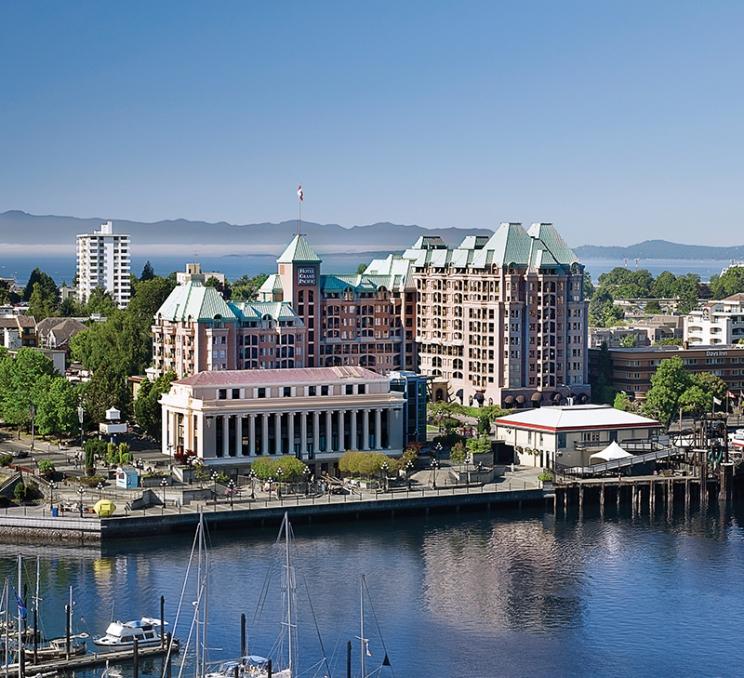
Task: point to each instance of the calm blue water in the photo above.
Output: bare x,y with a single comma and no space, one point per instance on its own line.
63,268
523,594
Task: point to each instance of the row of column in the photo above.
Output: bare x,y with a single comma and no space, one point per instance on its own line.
334,422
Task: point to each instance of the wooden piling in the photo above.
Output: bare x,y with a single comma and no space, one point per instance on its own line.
135,658
243,651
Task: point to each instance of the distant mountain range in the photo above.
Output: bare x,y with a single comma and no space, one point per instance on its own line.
21,232
660,249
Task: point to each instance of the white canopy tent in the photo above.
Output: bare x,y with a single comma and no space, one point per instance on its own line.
610,453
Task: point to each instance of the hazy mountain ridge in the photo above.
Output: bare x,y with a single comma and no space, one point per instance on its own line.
21,228
660,249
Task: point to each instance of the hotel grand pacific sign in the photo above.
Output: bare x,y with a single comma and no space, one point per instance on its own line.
307,276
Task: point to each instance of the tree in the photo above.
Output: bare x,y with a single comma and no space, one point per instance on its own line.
107,388
665,286
7,295
479,445
687,291
148,273
361,268
695,401
292,468
222,287
652,307
364,464
669,382
629,341
246,288
56,401
602,310
588,286
46,283
710,383
484,424
70,307
101,303
622,283
624,403
458,454
728,283
42,303
147,410
18,378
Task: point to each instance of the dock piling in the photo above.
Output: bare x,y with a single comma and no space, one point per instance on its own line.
243,651
135,659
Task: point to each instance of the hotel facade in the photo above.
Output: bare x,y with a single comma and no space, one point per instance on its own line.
230,418
496,320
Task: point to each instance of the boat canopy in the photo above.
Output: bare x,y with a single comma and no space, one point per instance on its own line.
610,453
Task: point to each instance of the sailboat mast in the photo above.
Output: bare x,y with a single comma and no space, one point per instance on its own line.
362,639
205,589
36,596
20,625
289,596
6,596
197,611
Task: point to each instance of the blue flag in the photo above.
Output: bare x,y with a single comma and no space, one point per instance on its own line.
22,611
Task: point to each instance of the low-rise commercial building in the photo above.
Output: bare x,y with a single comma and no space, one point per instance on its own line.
569,435
231,418
631,369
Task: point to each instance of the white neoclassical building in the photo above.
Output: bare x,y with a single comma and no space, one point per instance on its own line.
230,418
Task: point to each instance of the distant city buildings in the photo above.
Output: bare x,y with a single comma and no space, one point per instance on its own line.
103,261
643,332
498,319
716,322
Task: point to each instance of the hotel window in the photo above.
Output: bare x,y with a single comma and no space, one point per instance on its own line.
312,390
324,390
260,393
236,394
349,389
222,394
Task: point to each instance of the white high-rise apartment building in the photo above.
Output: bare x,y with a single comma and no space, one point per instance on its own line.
103,261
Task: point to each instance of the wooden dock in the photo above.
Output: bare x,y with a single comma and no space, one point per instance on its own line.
94,659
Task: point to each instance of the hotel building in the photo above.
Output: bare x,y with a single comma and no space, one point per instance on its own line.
716,322
230,418
103,261
498,319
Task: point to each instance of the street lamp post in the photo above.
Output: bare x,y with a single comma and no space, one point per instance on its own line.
32,412
252,476
435,466
231,488
384,468
437,450
81,417
306,475
280,473
100,490
52,487
164,484
80,492
409,469
214,480
271,484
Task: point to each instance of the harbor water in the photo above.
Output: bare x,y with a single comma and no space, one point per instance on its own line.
480,594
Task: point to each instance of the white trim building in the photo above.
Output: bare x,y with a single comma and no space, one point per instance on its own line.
716,322
103,261
570,434
230,418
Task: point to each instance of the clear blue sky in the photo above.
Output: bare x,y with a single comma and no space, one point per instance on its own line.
618,121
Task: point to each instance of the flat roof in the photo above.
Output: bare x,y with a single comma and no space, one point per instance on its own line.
575,418
281,377
673,349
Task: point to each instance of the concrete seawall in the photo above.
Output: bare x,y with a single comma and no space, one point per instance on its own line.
46,529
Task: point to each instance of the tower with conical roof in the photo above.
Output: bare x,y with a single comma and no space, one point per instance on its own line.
299,273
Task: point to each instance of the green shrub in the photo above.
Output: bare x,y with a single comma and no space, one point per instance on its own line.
46,468
458,454
19,492
292,468
6,460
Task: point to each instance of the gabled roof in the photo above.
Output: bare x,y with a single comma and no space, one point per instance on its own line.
299,251
575,418
195,301
271,285
256,310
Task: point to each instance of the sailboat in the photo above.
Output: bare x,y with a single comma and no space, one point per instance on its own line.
364,651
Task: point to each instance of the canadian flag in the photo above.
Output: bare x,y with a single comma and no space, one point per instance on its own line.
300,193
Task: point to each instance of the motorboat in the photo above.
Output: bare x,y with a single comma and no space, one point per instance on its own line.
147,631
56,648
251,666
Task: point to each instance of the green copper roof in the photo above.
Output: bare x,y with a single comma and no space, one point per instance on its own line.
256,310
195,301
299,250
